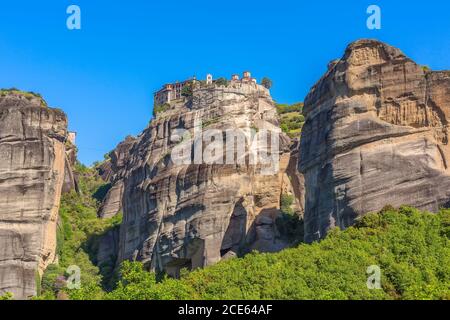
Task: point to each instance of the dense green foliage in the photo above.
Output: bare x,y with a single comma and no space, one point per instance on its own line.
289,223
187,91
6,296
291,118
288,108
286,203
77,236
411,248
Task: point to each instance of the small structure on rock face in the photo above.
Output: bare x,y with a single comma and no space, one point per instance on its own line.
71,137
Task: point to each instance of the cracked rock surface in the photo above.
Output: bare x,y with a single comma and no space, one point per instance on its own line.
376,134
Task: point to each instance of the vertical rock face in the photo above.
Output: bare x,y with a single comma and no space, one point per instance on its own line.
70,181
195,214
113,170
32,161
376,133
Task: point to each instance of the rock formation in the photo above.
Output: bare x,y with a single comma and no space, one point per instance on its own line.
376,134
70,180
179,215
32,161
113,170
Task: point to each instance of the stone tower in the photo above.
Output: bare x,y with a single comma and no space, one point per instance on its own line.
209,78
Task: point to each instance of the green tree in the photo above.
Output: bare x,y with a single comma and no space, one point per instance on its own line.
266,82
286,202
138,284
284,127
187,91
6,296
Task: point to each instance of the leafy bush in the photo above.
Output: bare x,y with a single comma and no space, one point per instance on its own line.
187,91
6,296
139,284
290,224
287,200
286,108
291,119
267,83
50,281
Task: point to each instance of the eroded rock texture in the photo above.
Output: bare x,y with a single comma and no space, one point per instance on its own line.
376,134
193,215
70,180
113,171
32,161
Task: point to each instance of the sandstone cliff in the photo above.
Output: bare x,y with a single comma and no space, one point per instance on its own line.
376,134
113,171
32,161
193,215
70,180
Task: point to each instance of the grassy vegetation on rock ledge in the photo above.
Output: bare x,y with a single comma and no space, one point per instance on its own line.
291,119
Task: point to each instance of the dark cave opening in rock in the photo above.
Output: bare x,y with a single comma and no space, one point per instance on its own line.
236,231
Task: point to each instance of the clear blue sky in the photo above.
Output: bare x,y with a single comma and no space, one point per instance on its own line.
103,75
